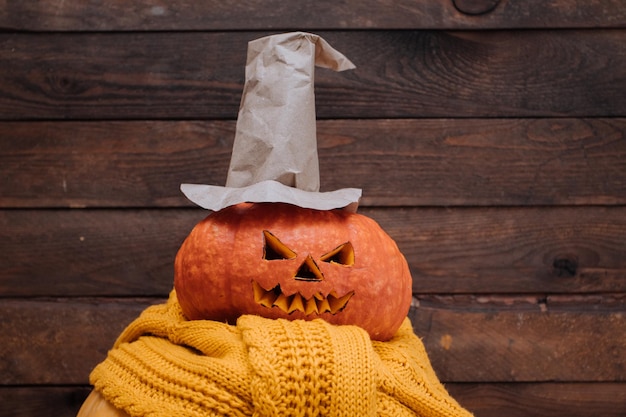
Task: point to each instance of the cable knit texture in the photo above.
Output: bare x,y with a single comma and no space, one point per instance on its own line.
165,365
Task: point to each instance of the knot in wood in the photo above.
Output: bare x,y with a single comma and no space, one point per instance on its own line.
475,7
565,266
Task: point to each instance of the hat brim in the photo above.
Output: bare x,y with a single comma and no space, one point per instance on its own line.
213,197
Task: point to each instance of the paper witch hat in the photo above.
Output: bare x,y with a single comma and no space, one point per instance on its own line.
274,156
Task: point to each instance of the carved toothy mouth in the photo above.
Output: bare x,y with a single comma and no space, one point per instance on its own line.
318,303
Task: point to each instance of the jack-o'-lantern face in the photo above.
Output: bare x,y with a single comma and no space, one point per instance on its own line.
307,271
282,261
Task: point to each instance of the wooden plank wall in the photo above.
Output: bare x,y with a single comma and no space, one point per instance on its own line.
488,137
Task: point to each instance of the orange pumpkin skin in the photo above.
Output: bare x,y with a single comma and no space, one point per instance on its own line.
282,261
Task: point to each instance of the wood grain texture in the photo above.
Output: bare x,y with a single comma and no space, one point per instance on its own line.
495,250
471,250
80,252
110,164
543,399
488,137
401,162
399,74
492,339
60,341
42,401
119,15
483,399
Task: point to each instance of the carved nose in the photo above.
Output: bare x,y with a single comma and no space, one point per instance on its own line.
309,271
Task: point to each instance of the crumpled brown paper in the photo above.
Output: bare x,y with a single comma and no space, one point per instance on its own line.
274,155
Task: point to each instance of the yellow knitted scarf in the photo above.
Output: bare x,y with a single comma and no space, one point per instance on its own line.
165,365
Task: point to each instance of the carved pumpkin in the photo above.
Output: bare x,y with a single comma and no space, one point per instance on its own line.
278,260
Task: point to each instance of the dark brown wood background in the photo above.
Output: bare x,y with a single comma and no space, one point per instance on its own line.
489,138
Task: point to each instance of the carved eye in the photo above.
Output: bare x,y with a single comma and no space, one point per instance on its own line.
275,249
343,255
